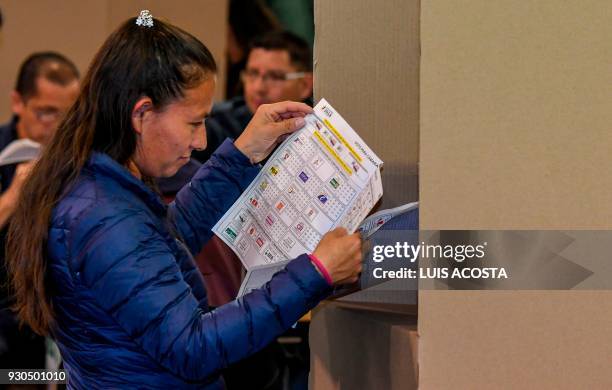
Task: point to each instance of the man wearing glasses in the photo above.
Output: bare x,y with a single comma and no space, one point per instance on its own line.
46,87
278,68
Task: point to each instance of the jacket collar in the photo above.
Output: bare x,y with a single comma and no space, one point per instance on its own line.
102,163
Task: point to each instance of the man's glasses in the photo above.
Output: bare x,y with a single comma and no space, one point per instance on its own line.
47,115
270,79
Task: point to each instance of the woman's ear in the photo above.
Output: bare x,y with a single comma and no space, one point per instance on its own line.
143,106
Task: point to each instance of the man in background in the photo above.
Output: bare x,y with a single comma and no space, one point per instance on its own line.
47,85
278,68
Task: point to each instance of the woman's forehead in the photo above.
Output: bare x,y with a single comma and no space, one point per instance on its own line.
197,99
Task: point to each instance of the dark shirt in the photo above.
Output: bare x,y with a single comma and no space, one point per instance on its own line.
19,346
8,134
169,186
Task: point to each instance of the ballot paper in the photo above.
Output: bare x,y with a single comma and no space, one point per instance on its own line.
375,221
19,151
322,177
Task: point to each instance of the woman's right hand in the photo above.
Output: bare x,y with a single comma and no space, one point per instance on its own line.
269,126
340,254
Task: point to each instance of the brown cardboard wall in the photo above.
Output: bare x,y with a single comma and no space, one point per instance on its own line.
77,28
515,133
516,114
360,349
367,66
515,340
366,62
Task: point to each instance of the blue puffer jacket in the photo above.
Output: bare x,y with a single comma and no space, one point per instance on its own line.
131,305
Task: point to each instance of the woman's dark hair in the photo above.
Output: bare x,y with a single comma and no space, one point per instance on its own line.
159,62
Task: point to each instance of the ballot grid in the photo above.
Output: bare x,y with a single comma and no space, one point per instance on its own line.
309,186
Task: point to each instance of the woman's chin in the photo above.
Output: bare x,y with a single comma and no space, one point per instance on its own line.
171,171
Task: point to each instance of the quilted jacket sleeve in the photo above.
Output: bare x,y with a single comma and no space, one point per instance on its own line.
133,276
211,192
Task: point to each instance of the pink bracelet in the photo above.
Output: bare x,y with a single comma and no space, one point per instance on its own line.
321,269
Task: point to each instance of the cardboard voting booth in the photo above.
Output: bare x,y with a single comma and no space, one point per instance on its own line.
504,108
366,61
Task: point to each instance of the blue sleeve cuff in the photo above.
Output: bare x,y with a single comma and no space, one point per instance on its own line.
240,167
310,279
230,153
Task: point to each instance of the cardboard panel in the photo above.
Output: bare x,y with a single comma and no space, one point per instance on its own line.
366,61
357,349
515,340
515,114
515,120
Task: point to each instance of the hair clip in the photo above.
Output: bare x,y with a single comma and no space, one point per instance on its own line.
145,18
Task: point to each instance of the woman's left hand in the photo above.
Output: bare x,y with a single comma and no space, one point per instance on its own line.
269,127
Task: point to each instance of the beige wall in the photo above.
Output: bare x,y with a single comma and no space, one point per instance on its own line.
516,113
77,28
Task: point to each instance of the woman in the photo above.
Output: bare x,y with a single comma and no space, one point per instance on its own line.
97,260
